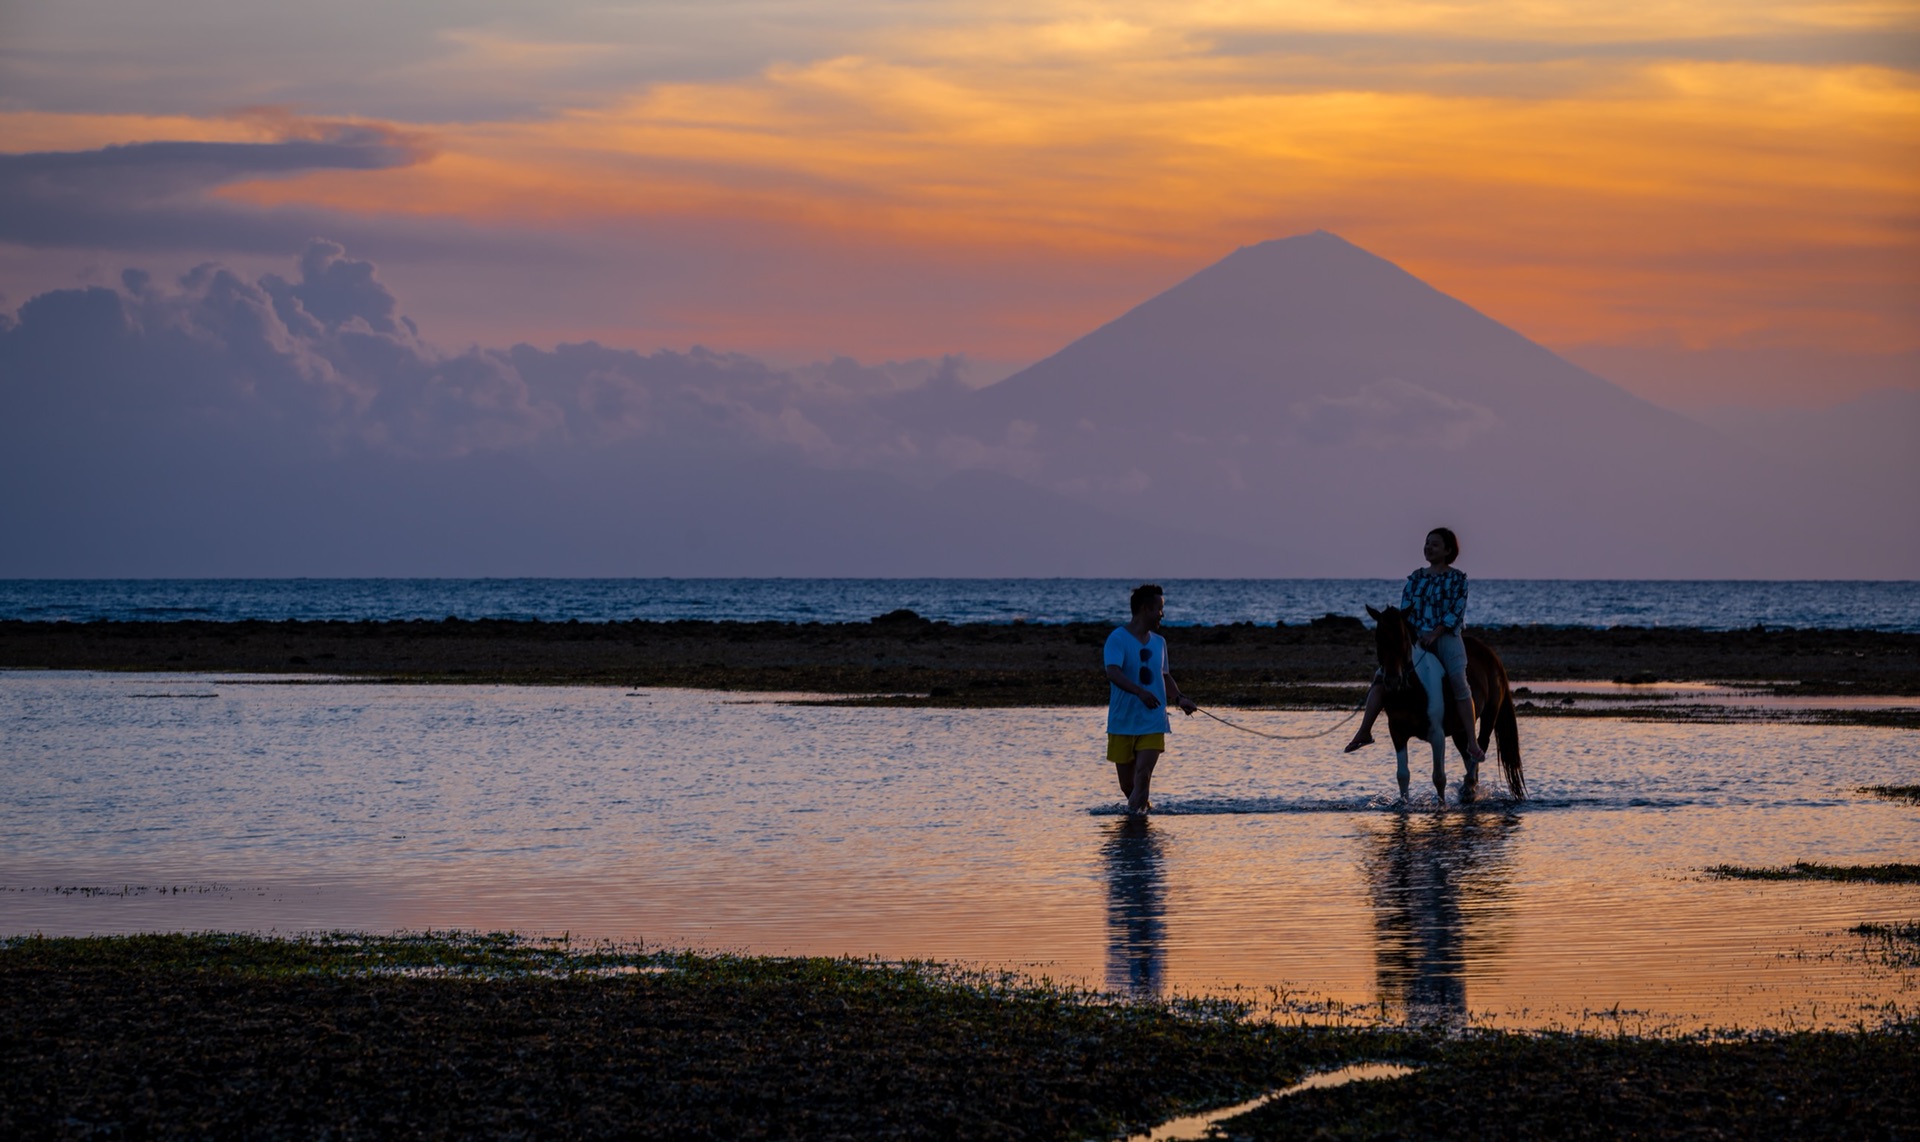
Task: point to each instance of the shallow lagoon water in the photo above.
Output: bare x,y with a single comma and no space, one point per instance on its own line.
990,837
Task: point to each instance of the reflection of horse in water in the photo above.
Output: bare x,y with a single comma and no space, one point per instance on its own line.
1412,705
1436,884
1136,909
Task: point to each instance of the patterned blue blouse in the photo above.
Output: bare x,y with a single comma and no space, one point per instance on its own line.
1430,600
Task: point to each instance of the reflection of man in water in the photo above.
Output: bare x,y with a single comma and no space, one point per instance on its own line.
1437,884
1136,909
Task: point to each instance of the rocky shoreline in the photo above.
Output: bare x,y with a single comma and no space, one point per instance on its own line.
937,664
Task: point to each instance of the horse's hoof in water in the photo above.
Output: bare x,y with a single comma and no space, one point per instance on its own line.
1360,739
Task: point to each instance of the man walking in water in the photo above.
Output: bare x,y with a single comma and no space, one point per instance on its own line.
1138,690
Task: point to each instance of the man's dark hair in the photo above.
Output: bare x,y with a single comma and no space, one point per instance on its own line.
1143,595
1451,540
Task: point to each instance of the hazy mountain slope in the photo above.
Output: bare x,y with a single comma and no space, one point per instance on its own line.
1306,389
1868,445
203,507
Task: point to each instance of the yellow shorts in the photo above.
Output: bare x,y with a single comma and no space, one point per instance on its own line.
1122,747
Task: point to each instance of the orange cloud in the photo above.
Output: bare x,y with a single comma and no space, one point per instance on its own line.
1712,173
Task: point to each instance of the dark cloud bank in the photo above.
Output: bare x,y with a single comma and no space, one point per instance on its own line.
151,196
1300,408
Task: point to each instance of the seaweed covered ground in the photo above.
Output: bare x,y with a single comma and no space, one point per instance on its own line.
1805,870
1896,945
1565,1086
937,664
471,1037
460,1036
1908,793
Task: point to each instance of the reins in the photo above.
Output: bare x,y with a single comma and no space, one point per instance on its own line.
1283,737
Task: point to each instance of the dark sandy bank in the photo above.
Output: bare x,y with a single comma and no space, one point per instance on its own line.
355,1037
940,664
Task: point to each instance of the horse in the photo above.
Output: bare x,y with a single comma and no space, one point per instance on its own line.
1407,705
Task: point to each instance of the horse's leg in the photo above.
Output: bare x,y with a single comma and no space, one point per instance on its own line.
1486,704
1463,709
1489,708
1435,683
1400,737
1469,785
1470,782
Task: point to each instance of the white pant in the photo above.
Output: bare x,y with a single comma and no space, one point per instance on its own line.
1427,667
1453,656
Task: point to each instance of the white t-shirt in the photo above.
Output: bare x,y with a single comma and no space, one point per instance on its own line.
1146,664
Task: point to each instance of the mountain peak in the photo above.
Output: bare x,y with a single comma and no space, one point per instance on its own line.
1268,307
1314,243
1305,267
1293,322
1311,237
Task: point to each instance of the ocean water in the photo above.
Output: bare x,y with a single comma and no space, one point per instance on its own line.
1710,605
1272,870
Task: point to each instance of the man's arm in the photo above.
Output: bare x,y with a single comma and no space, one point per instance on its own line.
1119,678
1176,697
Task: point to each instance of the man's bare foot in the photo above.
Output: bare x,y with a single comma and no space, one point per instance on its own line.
1363,738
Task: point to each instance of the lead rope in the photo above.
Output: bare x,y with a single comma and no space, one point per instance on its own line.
1283,737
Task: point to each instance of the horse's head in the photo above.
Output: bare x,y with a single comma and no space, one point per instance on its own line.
1393,643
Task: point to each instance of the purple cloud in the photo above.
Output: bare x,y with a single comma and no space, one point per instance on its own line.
325,361
155,195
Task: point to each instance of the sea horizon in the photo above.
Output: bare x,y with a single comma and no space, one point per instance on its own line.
1708,604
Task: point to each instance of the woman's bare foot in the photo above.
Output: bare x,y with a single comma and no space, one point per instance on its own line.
1363,738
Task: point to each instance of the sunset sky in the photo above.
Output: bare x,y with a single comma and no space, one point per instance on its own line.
1709,202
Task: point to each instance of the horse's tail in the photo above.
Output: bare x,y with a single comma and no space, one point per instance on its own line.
1506,734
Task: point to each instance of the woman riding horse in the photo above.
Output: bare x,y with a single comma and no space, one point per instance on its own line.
1435,602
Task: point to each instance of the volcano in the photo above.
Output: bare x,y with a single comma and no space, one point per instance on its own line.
1307,392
